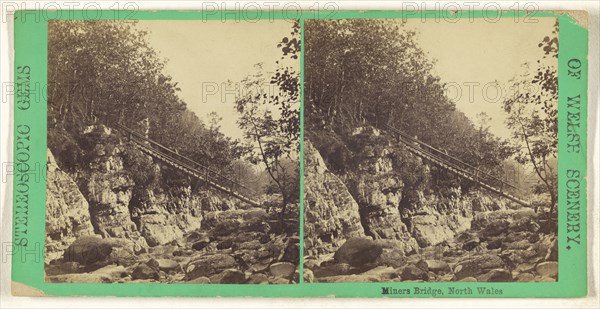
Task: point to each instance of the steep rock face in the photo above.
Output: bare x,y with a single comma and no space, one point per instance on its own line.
109,203
377,185
396,195
331,214
167,216
108,188
433,219
155,216
67,211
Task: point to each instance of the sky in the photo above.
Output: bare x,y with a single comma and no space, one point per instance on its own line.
476,54
204,55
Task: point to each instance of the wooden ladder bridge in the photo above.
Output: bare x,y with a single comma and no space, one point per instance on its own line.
188,166
456,166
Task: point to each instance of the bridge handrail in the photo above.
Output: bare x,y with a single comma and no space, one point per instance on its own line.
181,159
482,177
457,161
168,150
210,175
216,179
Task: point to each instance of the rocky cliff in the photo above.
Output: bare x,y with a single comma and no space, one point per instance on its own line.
107,186
118,219
387,192
102,198
331,213
416,224
67,211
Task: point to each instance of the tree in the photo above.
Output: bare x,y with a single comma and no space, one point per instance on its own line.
533,117
269,116
372,72
357,68
101,72
486,150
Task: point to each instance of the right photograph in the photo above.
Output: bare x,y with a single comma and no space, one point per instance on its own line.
430,150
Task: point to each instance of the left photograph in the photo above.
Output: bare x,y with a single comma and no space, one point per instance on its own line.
173,152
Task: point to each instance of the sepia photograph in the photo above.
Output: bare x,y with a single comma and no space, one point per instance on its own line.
326,154
430,151
173,152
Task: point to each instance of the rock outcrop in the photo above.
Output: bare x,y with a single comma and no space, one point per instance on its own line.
107,187
434,219
331,213
67,211
167,216
394,194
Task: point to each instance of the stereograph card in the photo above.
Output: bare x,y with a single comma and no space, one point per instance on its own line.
335,153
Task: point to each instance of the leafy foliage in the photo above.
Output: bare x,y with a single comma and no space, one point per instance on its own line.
270,118
104,72
533,117
357,68
372,72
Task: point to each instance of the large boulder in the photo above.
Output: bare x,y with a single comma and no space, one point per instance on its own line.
309,276
525,277
229,276
547,269
358,252
258,278
435,266
165,265
282,269
207,265
392,258
472,267
412,272
496,275
144,272
93,251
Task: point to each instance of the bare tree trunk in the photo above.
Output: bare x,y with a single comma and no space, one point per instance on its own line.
538,171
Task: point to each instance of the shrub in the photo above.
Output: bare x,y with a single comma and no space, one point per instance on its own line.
65,149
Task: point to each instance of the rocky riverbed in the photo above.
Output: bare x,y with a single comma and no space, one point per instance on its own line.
236,247
502,246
